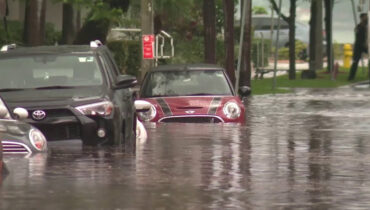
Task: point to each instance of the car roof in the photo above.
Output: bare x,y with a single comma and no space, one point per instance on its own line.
187,67
53,50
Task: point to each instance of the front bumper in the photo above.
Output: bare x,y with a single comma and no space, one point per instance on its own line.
73,126
192,119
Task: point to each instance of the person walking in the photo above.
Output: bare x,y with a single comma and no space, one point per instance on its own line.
360,44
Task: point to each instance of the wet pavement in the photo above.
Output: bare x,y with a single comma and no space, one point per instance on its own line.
308,150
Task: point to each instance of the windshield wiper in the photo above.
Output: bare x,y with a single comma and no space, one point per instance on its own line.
54,87
11,89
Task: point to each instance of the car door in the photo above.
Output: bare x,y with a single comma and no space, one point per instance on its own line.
122,98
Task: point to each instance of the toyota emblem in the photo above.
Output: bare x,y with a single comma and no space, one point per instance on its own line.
38,115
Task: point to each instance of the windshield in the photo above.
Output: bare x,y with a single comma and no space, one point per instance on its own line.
186,83
49,70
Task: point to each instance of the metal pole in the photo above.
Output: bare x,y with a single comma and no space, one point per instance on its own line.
276,46
272,22
331,54
241,43
262,50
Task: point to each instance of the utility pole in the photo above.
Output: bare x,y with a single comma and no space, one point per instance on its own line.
247,73
229,7
147,28
243,73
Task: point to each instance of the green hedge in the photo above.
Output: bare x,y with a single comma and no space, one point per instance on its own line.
127,55
283,53
15,34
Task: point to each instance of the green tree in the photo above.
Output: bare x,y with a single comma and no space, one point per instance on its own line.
291,22
103,14
257,10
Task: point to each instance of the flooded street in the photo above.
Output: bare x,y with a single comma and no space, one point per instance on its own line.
308,150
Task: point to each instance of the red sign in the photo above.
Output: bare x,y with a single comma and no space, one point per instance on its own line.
148,46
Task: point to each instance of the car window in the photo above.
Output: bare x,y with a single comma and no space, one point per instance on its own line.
186,83
108,74
49,70
112,63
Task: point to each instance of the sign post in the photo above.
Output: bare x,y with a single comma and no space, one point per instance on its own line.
148,46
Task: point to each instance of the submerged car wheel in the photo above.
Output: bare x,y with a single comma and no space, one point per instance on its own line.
89,142
129,140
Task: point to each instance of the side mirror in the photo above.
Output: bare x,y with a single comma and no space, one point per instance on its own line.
125,81
142,106
245,91
20,113
3,112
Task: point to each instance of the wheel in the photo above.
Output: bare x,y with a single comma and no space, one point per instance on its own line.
129,142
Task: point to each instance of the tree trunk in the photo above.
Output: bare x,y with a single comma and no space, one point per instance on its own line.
315,48
245,76
292,60
229,7
34,27
328,27
209,20
68,31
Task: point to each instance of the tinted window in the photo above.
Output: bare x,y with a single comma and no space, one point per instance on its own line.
46,70
186,83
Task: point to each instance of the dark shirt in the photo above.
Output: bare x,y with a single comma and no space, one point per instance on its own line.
361,37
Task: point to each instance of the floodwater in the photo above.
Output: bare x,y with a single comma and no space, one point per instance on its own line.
308,150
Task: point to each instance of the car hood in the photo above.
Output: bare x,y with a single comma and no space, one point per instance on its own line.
50,97
197,105
14,130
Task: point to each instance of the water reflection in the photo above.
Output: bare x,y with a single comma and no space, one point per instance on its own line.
294,152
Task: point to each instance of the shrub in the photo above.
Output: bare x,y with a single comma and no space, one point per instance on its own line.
15,34
127,55
300,47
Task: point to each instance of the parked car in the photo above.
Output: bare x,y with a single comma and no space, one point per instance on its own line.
191,93
18,137
71,92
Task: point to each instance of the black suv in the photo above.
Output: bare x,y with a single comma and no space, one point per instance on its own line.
71,92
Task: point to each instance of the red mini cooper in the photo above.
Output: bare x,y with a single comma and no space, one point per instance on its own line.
191,93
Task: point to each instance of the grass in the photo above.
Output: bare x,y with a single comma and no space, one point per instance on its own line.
323,80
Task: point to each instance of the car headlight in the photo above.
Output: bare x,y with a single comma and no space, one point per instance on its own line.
149,115
37,139
4,112
104,108
232,110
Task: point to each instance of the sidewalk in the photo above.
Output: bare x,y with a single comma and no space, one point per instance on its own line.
300,66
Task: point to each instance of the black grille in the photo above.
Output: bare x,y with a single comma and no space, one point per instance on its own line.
191,120
54,113
10,147
61,131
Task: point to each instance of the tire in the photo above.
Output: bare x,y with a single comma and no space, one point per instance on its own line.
89,142
129,141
